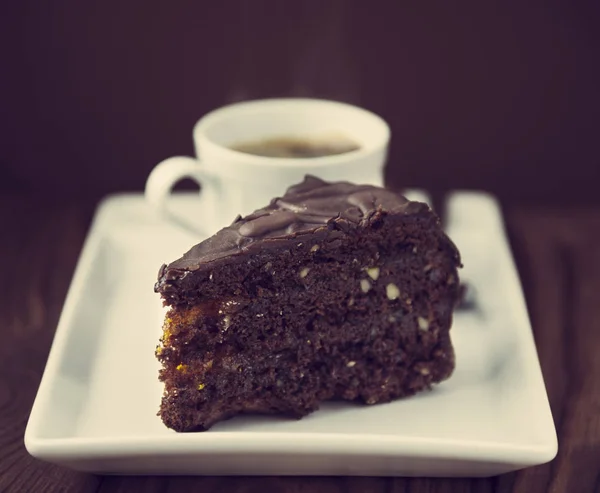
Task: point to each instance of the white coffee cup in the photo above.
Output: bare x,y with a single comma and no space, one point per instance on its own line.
234,182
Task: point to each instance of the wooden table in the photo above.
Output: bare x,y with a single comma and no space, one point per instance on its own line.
558,253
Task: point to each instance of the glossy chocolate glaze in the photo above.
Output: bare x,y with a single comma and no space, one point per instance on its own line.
313,207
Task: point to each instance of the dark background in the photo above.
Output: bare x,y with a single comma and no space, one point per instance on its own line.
501,96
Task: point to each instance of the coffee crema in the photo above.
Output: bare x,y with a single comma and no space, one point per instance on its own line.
296,147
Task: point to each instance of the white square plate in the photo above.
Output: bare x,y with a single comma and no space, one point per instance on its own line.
96,406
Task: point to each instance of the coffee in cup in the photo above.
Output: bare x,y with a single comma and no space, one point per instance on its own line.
333,141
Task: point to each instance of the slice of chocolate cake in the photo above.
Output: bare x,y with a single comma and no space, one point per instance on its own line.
334,291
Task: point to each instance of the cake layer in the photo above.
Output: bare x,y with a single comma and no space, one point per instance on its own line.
313,209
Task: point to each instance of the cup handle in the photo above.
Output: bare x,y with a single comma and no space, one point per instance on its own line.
166,174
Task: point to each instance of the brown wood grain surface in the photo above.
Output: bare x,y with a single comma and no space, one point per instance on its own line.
558,255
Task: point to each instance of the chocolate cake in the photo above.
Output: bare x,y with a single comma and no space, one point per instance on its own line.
333,291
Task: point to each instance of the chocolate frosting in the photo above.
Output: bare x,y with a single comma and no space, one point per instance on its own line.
313,207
